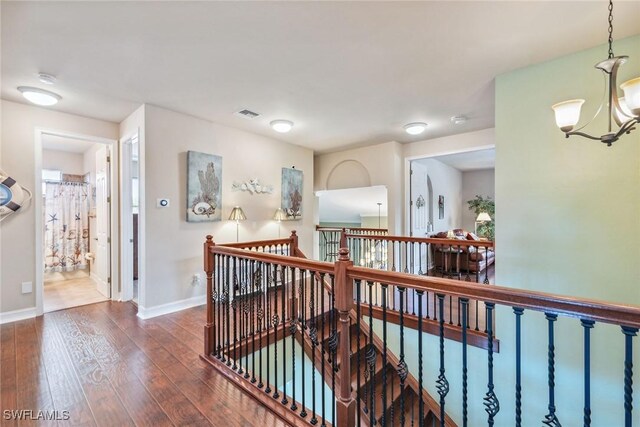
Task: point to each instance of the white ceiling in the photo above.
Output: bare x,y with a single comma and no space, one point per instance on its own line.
347,73
350,204
69,145
471,160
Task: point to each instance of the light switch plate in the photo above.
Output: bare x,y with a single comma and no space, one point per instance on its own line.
27,287
163,203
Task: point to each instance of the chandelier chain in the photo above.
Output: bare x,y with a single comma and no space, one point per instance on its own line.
611,29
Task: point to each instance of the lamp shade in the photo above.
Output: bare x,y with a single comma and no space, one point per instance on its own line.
483,216
568,113
279,215
631,89
237,214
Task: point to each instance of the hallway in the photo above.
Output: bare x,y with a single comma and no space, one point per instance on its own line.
106,367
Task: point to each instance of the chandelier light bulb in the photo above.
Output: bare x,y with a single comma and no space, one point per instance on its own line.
415,128
631,89
568,114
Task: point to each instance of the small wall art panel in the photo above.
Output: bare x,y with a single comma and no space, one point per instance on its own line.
204,184
292,193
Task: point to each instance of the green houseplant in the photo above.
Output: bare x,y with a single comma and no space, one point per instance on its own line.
484,204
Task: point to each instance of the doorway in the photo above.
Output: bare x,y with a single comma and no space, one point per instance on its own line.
73,220
130,181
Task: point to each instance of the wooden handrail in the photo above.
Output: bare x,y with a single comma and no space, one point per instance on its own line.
289,261
606,312
319,228
258,243
433,240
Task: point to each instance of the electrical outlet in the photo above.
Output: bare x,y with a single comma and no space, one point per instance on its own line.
195,279
27,287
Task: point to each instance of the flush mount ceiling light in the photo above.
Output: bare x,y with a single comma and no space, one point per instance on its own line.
415,128
45,78
282,126
624,112
39,96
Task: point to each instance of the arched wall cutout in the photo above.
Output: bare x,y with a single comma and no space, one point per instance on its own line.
348,174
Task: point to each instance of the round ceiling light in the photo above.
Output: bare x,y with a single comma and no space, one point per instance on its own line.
282,126
39,96
415,128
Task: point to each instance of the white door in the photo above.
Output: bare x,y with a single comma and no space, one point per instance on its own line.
102,264
418,215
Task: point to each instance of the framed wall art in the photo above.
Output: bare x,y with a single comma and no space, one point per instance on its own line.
292,193
204,184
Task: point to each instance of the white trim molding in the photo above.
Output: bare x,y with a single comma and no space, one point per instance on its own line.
172,307
17,315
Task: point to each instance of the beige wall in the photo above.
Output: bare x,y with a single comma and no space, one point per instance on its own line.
446,181
480,182
69,163
18,157
174,246
470,141
382,163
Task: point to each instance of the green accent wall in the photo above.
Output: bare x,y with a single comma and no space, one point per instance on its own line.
567,222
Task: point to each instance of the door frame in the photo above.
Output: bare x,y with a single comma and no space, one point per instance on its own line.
114,211
126,254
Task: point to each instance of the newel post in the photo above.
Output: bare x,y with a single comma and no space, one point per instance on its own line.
293,247
346,404
209,266
343,238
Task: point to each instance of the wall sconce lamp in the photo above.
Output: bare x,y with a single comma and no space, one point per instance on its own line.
237,215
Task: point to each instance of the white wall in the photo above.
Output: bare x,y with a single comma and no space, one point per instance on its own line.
446,181
460,143
19,123
174,246
69,163
480,182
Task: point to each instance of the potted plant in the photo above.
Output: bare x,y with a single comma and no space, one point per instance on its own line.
484,205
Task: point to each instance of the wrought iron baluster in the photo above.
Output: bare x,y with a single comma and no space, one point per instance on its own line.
420,355
234,305
268,325
226,298
275,319
293,327
629,333
551,419
371,361
358,317
322,346
283,293
491,403
313,333
442,384
402,368
587,325
518,312
333,345
260,318
486,268
464,303
303,296
254,296
420,272
384,354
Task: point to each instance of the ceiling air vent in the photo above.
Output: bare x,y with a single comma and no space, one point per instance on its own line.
247,114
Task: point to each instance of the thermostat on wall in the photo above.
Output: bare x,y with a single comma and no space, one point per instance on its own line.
162,203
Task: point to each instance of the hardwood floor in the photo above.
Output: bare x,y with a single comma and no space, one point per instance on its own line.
106,367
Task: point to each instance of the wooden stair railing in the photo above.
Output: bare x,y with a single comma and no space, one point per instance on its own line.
254,296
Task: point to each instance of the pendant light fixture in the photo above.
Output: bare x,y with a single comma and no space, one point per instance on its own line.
624,113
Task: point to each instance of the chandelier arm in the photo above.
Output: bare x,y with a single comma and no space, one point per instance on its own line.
585,135
604,97
626,127
614,103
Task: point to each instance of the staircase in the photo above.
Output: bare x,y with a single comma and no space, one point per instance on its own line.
394,403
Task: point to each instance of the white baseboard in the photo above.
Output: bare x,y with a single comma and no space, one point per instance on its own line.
16,315
172,307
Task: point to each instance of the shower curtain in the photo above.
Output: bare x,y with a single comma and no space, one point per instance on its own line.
66,226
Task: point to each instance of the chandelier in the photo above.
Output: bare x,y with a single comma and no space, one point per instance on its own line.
624,112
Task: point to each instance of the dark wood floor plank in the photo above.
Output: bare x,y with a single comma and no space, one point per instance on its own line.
140,404
66,391
33,391
103,399
107,367
236,409
8,396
